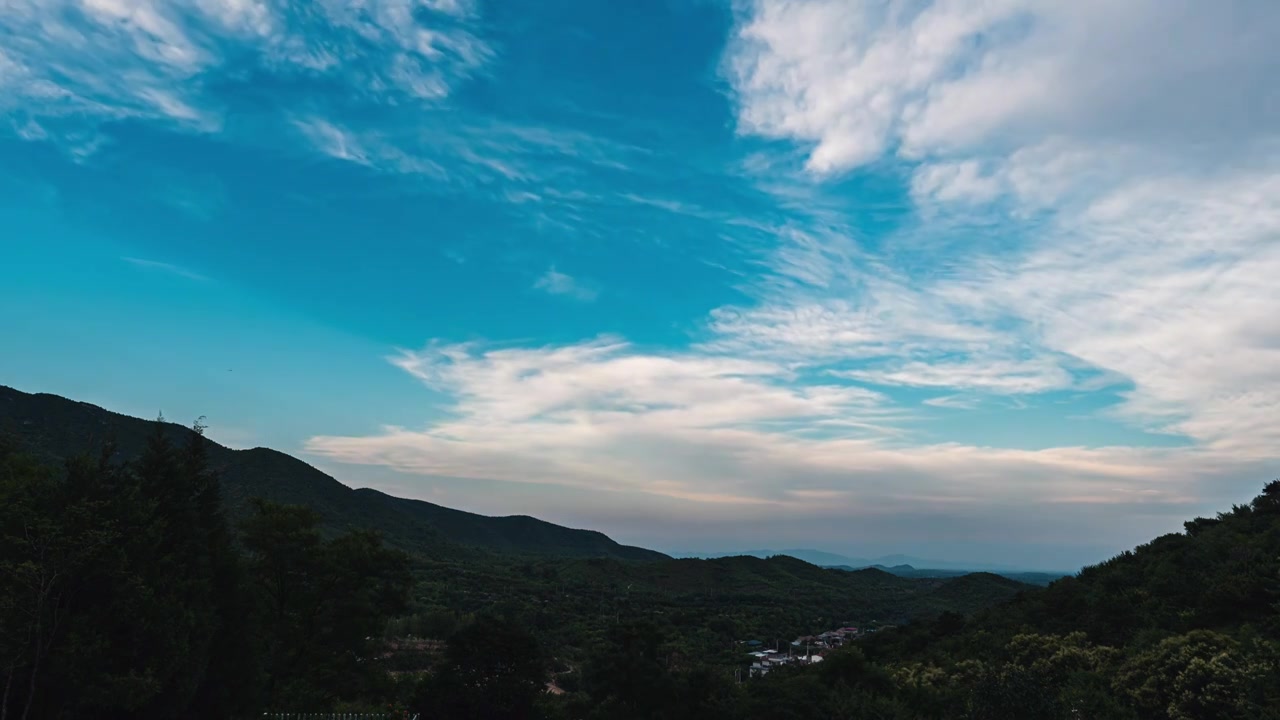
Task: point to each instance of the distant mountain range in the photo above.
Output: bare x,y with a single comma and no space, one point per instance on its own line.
901,565
907,571
53,428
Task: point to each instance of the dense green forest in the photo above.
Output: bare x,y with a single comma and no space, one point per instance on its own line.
128,589
708,605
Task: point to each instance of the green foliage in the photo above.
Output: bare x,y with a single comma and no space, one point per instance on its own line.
119,586
320,602
123,595
1182,627
1201,674
628,675
492,668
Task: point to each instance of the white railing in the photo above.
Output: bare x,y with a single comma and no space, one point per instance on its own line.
339,716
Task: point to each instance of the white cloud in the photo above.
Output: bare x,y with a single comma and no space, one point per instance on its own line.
248,16
81,62
333,141
951,181
458,151
594,414
558,283
993,375
842,76
371,82
1130,153
165,267
1169,283
856,81
953,402
734,435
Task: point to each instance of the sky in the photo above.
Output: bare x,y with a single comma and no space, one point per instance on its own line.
984,280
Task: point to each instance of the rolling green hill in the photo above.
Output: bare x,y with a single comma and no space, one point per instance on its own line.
53,428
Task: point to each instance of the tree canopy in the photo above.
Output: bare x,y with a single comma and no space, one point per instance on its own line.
125,596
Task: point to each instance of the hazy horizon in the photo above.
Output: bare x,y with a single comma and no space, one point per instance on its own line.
980,282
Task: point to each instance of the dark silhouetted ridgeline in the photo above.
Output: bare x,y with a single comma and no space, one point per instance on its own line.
54,428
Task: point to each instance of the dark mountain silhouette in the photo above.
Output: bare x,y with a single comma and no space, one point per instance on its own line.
900,565
907,571
53,428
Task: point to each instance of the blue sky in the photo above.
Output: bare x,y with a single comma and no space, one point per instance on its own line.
967,280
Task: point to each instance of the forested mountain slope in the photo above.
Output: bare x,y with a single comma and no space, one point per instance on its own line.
1186,626
54,428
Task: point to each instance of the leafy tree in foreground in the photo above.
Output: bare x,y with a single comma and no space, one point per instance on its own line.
49,548
1198,675
122,594
118,580
319,603
492,668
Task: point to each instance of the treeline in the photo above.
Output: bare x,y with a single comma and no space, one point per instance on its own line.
124,594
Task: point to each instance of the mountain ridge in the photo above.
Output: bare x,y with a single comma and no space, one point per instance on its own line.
823,558
53,428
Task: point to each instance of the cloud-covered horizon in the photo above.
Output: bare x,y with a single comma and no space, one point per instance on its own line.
959,259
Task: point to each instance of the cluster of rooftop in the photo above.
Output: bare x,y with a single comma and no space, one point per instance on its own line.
804,650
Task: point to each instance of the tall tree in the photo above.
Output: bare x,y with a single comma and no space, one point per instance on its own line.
319,603
492,668
51,543
121,587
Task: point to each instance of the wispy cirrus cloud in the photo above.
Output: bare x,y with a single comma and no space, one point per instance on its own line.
953,402
554,282
334,141
70,65
164,267
460,150
368,83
